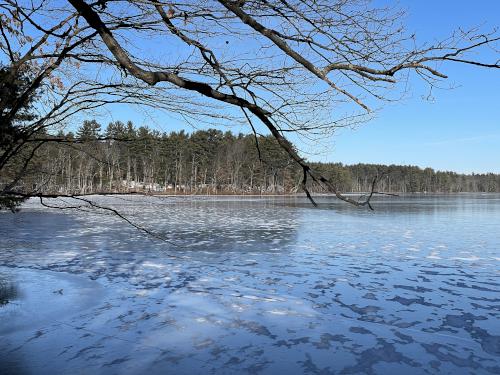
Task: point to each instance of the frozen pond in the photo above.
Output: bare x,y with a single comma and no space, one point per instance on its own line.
271,286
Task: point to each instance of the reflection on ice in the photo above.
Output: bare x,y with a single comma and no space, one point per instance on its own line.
258,286
8,291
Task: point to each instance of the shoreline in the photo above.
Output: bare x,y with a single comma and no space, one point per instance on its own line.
295,195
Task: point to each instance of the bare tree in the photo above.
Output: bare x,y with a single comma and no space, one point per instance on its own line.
280,65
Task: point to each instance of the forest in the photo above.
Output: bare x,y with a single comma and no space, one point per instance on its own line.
124,158
276,67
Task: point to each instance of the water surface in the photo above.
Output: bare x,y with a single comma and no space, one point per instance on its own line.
253,285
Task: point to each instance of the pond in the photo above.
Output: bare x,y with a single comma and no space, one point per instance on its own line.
253,285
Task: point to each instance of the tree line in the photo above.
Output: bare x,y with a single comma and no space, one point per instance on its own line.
302,74
123,158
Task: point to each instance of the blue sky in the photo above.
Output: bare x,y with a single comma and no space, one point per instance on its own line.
458,130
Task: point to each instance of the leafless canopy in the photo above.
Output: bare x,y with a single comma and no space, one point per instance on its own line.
288,66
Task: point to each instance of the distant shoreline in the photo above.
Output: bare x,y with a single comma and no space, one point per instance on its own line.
288,195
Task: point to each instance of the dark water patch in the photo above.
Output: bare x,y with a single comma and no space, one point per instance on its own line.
410,301
309,367
292,342
326,340
9,291
382,352
360,330
443,353
417,289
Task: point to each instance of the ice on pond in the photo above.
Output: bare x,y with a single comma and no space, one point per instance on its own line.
255,285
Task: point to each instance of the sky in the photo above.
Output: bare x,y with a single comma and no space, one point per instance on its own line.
458,130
